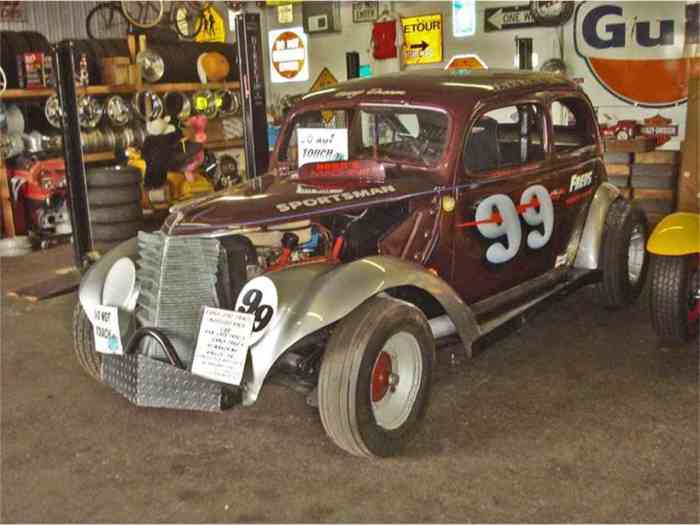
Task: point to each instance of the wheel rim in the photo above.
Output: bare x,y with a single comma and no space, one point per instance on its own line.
395,380
636,254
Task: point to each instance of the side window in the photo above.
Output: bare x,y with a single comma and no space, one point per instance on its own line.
573,124
506,137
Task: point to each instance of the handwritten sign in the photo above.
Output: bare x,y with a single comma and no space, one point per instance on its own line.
322,145
222,345
106,330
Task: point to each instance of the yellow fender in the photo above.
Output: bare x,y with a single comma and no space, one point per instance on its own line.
676,234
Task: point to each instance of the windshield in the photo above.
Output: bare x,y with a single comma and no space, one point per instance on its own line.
401,135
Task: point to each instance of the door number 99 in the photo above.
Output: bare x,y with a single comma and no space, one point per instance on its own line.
537,210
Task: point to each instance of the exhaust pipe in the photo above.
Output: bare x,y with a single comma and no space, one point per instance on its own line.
442,326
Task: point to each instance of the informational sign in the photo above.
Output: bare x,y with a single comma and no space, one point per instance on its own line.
13,11
422,39
463,17
623,42
222,345
289,55
365,11
285,14
325,79
322,145
468,61
105,324
509,17
213,26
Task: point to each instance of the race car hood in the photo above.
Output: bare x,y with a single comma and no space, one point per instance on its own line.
273,199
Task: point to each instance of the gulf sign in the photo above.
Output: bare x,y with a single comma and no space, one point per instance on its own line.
635,49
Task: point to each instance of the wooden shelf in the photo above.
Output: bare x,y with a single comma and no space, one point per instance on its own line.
16,94
224,144
98,157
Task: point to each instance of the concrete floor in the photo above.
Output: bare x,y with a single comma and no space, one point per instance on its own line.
574,416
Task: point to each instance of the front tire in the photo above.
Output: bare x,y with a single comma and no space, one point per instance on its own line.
623,259
375,377
90,360
674,297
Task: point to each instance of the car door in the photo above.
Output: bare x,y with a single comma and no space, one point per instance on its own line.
508,199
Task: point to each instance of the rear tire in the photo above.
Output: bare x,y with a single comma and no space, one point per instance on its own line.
119,213
673,297
623,259
113,177
84,344
112,196
375,377
118,231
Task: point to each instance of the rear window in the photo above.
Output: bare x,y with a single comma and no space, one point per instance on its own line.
573,124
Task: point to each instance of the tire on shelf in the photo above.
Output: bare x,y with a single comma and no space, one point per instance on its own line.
111,196
117,231
112,176
84,343
673,297
119,213
375,377
623,257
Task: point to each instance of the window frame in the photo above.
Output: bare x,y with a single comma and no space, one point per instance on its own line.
580,151
510,171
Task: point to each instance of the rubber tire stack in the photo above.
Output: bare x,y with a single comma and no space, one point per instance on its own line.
114,198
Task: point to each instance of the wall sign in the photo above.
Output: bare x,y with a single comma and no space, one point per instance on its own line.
634,49
13,11
325,79
365,11
468,61
422,39
322,145
289,55
510,17
285,14
463,17
213,26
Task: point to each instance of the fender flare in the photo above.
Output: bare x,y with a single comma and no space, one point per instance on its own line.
315,296
91,284
588,254
676,234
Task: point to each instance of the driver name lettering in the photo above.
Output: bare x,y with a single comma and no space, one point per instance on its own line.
335,198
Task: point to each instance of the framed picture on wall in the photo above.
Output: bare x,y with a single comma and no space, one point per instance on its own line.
16,11
365,11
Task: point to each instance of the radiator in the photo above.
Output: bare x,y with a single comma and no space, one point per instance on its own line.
177,278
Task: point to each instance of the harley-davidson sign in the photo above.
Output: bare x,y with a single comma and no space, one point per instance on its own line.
635,49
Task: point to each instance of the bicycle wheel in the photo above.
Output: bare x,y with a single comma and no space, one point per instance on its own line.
143,13
187,20
106,20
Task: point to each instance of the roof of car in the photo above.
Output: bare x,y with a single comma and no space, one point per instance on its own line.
453,87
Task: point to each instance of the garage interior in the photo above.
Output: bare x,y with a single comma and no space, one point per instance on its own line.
568,411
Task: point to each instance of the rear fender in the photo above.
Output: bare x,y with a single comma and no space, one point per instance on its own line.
676,234
315,296
588,254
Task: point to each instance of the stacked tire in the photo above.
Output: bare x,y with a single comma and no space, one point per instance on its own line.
114,198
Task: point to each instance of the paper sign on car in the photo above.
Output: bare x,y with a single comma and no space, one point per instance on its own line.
322,145
222,345
106,330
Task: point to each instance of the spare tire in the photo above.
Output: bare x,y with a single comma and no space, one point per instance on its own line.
119,213
115,195
118,231
112,176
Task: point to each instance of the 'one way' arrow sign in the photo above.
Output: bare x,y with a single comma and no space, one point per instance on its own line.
511,17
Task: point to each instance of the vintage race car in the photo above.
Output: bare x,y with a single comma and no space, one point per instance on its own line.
397,211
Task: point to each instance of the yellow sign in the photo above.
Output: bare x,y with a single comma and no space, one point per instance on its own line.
422,39
324,80
213,26
469,61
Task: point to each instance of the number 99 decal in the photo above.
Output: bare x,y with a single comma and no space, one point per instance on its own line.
259,298
497,216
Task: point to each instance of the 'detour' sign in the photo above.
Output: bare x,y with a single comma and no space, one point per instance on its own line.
635,49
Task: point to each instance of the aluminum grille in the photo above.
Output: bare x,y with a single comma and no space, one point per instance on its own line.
176,276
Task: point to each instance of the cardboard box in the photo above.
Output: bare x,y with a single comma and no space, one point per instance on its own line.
658,157
117,71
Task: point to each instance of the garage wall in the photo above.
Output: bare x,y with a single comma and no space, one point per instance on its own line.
497,49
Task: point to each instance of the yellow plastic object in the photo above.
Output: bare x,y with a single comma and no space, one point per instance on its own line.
182,189
676,234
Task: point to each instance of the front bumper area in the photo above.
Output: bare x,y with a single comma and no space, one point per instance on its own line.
148,382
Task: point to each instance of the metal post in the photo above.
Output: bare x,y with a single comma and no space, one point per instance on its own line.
64,64
249,41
